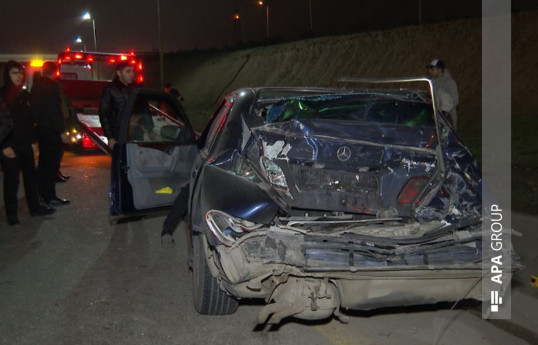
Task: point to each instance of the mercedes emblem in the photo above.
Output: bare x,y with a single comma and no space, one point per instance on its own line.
343,153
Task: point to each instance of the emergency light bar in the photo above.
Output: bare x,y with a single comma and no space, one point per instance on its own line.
69,56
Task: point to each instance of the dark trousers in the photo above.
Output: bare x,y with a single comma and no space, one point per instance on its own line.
177,212
23,162
50,157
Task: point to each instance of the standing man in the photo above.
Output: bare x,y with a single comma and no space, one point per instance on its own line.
51,127
113,100
444,84
17,153
6,122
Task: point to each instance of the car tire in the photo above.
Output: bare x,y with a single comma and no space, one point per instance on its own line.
208,297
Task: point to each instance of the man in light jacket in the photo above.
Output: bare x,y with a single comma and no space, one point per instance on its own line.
443,83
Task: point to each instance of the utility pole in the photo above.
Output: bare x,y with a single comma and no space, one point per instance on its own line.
161,58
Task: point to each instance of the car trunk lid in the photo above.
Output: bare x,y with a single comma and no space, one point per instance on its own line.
340,166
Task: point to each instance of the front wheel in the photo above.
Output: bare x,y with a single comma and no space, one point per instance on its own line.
208,297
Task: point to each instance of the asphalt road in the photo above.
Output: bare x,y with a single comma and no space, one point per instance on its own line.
76,279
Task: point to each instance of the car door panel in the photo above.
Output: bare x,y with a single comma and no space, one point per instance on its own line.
158,175
153,158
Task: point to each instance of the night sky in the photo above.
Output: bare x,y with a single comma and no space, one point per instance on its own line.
30,26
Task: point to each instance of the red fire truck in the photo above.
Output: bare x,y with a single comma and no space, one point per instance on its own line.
82,76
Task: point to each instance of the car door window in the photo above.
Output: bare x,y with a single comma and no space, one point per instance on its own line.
156,120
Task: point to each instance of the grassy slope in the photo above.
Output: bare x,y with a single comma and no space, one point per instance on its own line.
203,78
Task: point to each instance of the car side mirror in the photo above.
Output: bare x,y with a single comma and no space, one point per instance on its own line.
169,132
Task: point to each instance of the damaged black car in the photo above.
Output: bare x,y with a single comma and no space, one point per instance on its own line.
314,200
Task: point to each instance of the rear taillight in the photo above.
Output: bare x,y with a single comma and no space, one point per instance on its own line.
87,143
412,189
274,173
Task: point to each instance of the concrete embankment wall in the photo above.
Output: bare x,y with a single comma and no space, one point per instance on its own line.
204,77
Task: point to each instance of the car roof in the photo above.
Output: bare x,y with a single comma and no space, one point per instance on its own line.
268,93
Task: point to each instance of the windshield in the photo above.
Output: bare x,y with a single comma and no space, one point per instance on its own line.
96,71
356,108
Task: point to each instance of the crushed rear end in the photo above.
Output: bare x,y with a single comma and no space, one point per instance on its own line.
310,268
357,212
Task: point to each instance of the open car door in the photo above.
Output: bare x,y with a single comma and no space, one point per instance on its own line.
154,154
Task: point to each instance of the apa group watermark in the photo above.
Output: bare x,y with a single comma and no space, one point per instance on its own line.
496,244
496,265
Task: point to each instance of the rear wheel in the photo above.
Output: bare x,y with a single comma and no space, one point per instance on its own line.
208,297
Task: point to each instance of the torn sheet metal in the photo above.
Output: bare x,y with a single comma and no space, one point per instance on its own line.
341,183
355,153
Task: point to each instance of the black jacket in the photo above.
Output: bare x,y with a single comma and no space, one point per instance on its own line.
18,105
6,122
47,106
113,99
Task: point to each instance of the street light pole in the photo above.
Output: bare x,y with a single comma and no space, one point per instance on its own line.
261,3
420,11
267,21
161,58
78,39
94,35
310,13
88,16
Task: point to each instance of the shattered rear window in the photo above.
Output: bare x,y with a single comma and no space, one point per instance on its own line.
362,108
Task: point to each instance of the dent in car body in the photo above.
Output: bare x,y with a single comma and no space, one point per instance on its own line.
341,171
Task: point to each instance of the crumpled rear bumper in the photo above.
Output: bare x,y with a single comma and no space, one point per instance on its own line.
311,278
414,288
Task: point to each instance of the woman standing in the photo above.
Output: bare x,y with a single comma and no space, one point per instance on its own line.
17,153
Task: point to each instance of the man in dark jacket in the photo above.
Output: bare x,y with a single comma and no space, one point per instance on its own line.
51,127
113,100
6,123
